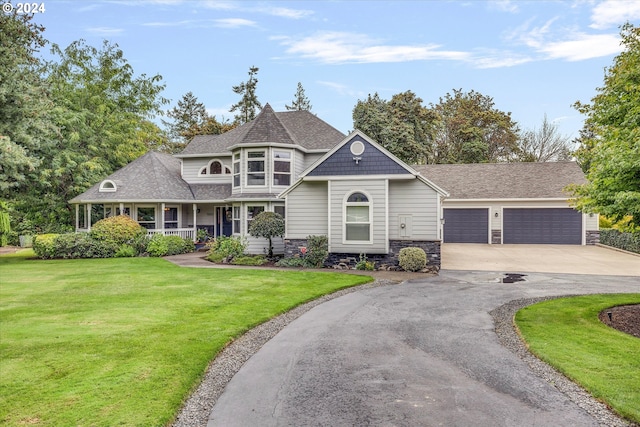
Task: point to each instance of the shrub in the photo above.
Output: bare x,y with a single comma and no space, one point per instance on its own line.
125,251
43,245
625,241
249,260
412,259
317,251
72,246
364,264
226,248
267,225
160,245
117,229
292,262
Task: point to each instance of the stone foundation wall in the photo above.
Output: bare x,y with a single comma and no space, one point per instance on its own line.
496,237
382,261
592,237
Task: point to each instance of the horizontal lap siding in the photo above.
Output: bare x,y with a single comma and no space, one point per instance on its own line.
260,246
418,200
377,191
307,210
191,168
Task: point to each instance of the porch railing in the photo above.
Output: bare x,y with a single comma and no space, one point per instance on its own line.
185,233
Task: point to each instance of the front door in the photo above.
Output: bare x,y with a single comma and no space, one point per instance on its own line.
226,216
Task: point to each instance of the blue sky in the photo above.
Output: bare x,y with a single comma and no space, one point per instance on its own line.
533,58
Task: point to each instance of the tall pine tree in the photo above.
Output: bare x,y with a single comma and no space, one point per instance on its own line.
248,106
300,101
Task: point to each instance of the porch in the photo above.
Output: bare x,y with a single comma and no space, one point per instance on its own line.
169,219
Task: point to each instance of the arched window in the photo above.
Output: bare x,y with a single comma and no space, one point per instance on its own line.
213,168
357,218
108,186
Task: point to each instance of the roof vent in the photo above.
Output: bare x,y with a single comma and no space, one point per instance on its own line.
108,186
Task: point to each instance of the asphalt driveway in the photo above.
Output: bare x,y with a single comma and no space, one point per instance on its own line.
571,259
421,353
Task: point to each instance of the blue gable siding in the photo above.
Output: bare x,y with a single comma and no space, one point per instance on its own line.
372,162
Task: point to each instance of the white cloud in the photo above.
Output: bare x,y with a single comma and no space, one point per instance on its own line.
340,88
343,47
504,6
234,23
204,23
583,46
612,13
500,60
284,12
105,31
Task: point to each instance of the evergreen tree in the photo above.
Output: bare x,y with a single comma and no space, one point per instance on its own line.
300,101
248,106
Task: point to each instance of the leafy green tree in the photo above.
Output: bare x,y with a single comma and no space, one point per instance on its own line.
610,150
300,101
190,118
248,106
402,125
543,144
469,129
267,225
26,127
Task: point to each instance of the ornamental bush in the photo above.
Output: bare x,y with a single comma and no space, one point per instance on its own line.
226,248
117,229
317,251
412,259
160,245
43,245
625,241
267,225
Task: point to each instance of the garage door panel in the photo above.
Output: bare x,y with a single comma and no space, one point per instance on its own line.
542,226
466,225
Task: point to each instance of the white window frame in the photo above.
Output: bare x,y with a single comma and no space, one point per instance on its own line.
205,171
275,159
177,221
108,186
236,220
246,211
346,204
237,170
155,216
249,159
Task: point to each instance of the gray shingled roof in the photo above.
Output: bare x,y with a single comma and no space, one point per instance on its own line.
291,127
153,177
504,180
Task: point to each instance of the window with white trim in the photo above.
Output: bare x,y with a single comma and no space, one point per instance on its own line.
236,220
236,169
107,186
282,168
255,168
252,212
170,217
214,167
147,217
357,220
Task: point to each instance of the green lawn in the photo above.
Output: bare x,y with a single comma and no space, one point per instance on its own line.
111,342
567,334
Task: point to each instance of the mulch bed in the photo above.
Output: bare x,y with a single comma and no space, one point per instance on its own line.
625,318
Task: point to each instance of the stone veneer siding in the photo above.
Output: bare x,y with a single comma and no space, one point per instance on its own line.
593,237
496,237
431,248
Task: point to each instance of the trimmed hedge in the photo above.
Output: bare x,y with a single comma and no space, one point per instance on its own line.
625,241
118,229
412,259
72,246
160,245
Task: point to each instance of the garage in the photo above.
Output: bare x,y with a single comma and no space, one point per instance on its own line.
466,225
560,226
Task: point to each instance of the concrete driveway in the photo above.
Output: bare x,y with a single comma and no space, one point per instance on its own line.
422,353
540,258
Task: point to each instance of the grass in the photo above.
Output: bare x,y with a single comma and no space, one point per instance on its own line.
567,334
110,342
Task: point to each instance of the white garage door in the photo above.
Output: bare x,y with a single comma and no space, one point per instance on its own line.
560,226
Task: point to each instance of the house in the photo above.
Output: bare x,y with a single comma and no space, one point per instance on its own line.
349,188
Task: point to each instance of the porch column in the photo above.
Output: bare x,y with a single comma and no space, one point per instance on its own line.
195,218
162,206
77,216
121,208
88,216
